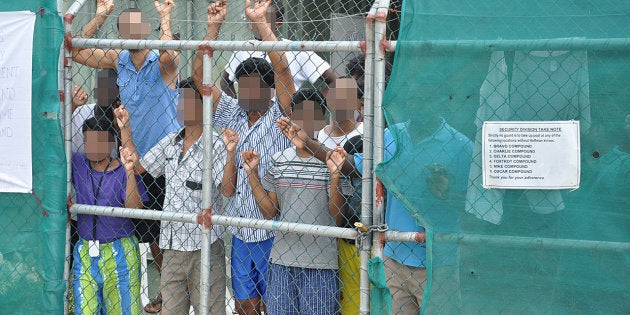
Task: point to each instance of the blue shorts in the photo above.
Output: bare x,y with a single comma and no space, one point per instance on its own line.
295,290
250,261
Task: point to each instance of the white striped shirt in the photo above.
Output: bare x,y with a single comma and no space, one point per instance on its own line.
183,187
263,137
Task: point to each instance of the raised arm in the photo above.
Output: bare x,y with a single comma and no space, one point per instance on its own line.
128,150
132,199
93,57
282,75
228,183
267,201
337,205
169,59
216,15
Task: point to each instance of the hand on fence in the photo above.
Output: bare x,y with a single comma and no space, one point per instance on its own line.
79,97
257,13
293,132
122,117
129,158
217,12
230,139
164,9
104,7
205,218
250,160
335,160
69,204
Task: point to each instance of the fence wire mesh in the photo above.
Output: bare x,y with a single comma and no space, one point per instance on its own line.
158,91
432,174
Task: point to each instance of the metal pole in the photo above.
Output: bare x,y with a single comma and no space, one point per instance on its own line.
332,231
206,201
340,46
67,133
379,121
301,228
367,176
622,44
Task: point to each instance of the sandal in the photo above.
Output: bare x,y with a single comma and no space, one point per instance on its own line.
155,305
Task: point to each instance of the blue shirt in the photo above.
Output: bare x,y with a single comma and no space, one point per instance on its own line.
445,146
151,103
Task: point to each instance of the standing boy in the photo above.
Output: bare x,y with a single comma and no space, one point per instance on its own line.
148,87
253,118
302,277
106,270
179,158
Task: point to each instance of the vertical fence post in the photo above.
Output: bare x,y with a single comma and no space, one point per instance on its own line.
206,200
380,26
367,178
67,129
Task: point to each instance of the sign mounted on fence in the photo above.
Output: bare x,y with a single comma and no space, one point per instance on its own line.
16,51
531,154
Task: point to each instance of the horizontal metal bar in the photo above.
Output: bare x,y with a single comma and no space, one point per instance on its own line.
321,230
134,213
533,242
328,46
520,44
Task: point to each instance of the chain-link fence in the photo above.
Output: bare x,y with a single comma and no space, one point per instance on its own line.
285,196
305,259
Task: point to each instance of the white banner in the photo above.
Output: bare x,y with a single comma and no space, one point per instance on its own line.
16,55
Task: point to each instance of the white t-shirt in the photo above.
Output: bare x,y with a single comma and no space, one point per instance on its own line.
304,65
80,114
331,142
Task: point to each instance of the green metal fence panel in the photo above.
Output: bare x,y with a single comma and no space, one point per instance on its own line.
32,232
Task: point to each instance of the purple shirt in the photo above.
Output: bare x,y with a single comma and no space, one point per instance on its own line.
102,189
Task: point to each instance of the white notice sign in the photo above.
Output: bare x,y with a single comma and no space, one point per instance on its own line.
531,154
16,55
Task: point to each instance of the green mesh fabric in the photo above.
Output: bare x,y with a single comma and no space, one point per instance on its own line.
32,229
516,251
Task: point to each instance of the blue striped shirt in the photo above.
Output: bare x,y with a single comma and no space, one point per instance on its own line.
263,137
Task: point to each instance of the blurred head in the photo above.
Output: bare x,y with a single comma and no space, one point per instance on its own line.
106,90
255,84
309,110
189,105
275,16
132,26
342,99
99,138
355,68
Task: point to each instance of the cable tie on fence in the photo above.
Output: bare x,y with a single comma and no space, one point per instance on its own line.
39,202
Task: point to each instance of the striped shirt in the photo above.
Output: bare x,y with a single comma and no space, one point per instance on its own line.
302,186
263,137
183,187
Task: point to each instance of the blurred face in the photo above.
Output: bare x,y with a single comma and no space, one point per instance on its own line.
309,115
253,94
106,90
98,145
342,100
189,108
131,26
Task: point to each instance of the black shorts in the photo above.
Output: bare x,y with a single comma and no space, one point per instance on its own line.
148,231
